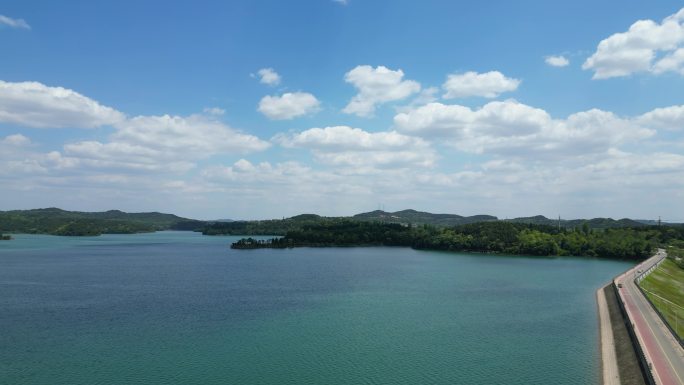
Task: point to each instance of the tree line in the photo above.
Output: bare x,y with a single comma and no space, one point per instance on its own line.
494,237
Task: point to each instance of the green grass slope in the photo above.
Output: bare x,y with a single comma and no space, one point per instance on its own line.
665,289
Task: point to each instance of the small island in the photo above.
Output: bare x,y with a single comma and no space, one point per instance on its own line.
4,237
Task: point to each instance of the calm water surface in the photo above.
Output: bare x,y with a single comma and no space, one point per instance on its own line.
181,308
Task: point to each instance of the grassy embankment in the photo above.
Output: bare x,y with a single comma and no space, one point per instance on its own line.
665,286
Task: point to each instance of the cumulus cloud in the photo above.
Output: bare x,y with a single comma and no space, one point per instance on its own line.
288,105
34,104
268,76
489,85
672,62
426,95
143,143
292,186
246,171
512,128
376,86
344,138
14,23
647,46
16,140
557,61
624,162
139,144
18,159
194,134
343,145
507,118
533,182
170,143
669,118
116,157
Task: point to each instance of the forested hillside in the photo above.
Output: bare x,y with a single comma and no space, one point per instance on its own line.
61,222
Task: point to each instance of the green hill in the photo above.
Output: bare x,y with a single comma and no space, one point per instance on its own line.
263,227
595,223
403,217
421,217
61,222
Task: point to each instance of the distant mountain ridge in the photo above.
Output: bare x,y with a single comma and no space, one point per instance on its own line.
422,217
62,222
594,223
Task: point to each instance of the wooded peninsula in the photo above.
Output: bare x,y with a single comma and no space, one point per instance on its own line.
490,237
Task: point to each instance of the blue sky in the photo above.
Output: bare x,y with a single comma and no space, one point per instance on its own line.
262,109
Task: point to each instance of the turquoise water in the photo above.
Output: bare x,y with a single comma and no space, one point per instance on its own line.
181,308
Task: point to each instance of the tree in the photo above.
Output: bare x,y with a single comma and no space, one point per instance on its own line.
585,228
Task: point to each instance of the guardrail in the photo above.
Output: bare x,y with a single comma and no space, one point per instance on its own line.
646,273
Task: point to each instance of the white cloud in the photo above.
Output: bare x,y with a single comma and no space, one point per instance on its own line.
17,158
117,157
507,118
343,2
557,61
293,187
488,85
288,105
673,62
669,118
159,143
195,134
14,23
345,138
245,171
583,188
269,76
347,146
619,162
215,111
376,86
426,95
142,143
34,104
515,129
605,185
625,53
16,140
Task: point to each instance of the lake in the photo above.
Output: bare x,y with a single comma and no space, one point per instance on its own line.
182,308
